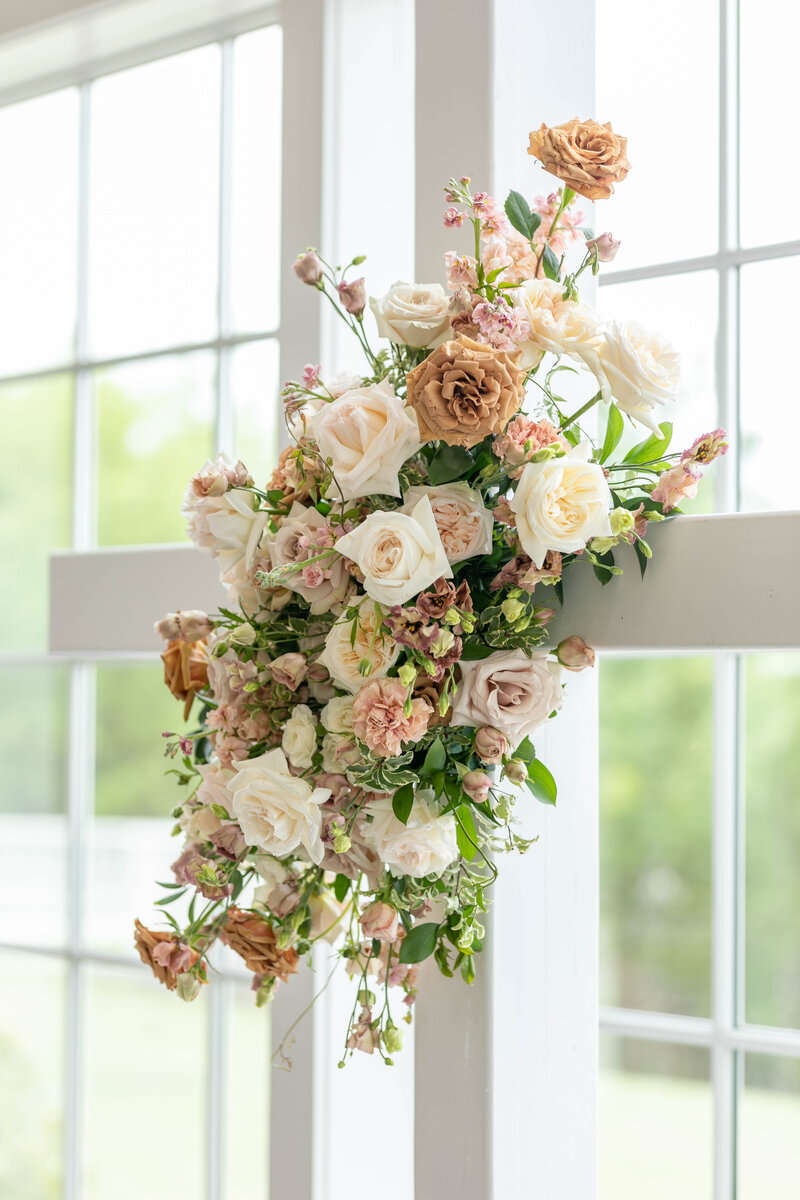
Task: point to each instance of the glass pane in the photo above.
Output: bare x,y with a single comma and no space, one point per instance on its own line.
768,464
672,136
772,841
256,180
769,1129
155,423
31,1076
154,203
38,231
35,518
130,844
767,90
655,833
144,1090
33,802
656,1120
257,407
248,1075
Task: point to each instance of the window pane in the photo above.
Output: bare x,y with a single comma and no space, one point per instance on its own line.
768,469
33,802
38,231
772,841
256,180
144,1092
31,1076
665,102
248,1076
767,75
154,204
130,844
769,1129
35,517
655,1120
155,430
257,406
655,833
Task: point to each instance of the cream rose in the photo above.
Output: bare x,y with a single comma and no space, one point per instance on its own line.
561,504
339,751
299,739
639,369
464,523
508,691
286,547
341,656
337,715
366,436
277,812
425,845
557,325
413,314
236,528
398,553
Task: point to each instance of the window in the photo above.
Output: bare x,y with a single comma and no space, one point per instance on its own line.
139,299
698,821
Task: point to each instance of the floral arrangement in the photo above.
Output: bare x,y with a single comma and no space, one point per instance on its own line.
366,707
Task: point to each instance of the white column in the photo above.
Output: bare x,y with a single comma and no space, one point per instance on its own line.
506,1070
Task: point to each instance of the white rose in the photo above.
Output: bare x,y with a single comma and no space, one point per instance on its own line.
215,786
399,554
337,715
299,739
509,691
464,523
278,812
198,822
341,656
236,528
558,325
366,434
561,504
339,751
413,314
639,369
425,845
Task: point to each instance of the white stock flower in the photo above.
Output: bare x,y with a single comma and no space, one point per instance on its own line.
413,314
561,504
366,435
342,655
299,739
399,554
464,523
557,325
277,812
337,715
639,369
425,845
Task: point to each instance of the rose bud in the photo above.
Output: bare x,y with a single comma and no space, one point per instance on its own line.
515,771
308,268
490,744
476,784
605,247
542,615
188,987
353,296
380,921
289,669
238,475
191,626
574,654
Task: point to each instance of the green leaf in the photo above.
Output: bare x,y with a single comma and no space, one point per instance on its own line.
614,430
466,833
525,751
402,802
551,265
652,448
170,899
520,216
602,568
237,879
420,943
541,782
435,758
341,886
475,651
449,463
642,557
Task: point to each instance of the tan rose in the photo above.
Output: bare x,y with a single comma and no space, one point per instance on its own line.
185,670
463,391
590,158
253,939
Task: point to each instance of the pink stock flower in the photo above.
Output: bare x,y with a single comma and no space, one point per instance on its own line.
706,448
453,218
353,296
379,719
567,230
501,325
511,253
311,375
678,483
460,269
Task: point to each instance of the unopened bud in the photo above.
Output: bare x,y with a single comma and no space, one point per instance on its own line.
574,654
188,986
516,771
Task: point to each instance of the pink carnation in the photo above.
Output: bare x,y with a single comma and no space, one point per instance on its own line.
379,719
522,439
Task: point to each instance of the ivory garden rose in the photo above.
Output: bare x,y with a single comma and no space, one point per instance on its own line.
278,812
353,641
425,845
413,314
398,553
462,519
561,504
641,370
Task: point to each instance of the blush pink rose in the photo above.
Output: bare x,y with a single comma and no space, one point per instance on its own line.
509,691
379,719
380,921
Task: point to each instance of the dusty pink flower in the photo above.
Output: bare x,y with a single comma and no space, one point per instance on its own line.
476,784
379,719
229,841
490,745
502,513
172,956
574,654
453,218
705,449
284,898
512,253
501,325
230,749
460,269
289,669
310,375
308,268
380,921
522,438
605,246
187,869
567,230
363,1037
238,475
353,296
520,572
678,483
190,626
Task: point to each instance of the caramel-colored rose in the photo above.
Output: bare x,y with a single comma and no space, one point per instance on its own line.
590,158
166,957
185,670
463,391
253,939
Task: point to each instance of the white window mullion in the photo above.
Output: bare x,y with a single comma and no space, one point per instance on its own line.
224,432
219,1011
84,520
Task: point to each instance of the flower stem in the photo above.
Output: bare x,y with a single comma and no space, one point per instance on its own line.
579,413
